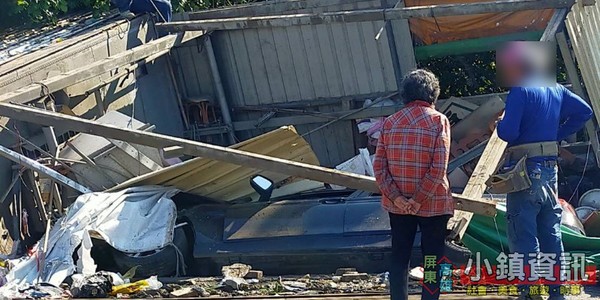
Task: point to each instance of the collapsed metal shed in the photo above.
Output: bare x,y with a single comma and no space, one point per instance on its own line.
225,75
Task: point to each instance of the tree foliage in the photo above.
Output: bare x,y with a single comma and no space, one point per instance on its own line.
472,74
19,12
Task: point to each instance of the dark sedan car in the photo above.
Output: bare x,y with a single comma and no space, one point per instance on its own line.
313,232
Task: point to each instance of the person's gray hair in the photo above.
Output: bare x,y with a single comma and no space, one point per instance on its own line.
420,85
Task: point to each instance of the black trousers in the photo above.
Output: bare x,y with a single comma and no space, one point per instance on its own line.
433,236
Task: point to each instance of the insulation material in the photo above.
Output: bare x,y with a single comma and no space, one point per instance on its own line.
134,220
225,181
454,28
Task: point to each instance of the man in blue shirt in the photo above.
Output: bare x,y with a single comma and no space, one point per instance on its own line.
536,113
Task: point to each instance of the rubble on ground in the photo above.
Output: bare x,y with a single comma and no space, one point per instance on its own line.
108,284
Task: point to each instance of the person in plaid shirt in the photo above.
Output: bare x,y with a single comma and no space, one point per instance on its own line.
410,167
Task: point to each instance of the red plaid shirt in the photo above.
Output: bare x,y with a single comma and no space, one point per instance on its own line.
412,159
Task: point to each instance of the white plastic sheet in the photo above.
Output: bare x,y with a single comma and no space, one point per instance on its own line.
134,220
360,164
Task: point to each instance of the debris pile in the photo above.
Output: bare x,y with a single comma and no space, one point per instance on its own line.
280,285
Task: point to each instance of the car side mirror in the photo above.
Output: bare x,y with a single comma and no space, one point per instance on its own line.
263,186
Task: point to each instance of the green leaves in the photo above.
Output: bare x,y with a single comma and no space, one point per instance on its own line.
17,12
472,74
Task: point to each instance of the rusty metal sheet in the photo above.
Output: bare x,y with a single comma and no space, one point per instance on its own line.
454,28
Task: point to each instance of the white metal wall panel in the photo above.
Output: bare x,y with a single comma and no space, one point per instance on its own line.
584,30
300,63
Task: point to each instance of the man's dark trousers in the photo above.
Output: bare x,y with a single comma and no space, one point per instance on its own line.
433,235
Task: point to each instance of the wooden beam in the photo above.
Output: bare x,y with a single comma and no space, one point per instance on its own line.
53,84
234,156
492,154
365,15
554,24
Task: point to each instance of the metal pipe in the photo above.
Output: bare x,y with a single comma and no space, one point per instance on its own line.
389,30
34,165
225,112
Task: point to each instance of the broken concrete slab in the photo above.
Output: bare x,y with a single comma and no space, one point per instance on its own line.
189,292
236,270
235,283
294,286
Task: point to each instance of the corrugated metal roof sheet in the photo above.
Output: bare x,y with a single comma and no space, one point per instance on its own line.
20,42
225,181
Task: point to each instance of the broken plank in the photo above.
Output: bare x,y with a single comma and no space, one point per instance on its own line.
494,150
234,156
34,165
59,82
426,11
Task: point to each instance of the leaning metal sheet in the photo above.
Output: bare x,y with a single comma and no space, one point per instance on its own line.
224,181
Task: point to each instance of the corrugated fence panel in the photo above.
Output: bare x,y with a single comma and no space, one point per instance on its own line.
268,66
584,31
193,70
305,62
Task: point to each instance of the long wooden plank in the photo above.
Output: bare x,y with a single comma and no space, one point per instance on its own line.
234,156
476,186
53,84
365,15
